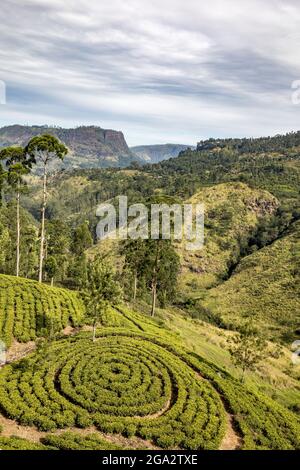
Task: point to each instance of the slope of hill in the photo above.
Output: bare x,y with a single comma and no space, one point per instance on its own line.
89,146
158,153
28,309
149,388
276,170
232,214
266,286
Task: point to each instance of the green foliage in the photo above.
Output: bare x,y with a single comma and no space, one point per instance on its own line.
137,380
233,212
51,266
73,441
248,348
125,382
28,242
82,239
265,286
262,423
17,443
152,263
45,147
58,244
27,307
160,268
100,289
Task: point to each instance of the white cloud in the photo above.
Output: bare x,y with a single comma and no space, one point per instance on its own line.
164,70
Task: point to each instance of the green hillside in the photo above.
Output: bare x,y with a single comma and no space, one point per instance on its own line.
266,286
28,309
232,214
172,381
273,165
140,382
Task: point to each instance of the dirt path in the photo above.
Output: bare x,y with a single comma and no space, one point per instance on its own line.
231,440
19,350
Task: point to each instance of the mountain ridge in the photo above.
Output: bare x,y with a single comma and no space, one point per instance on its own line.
89,146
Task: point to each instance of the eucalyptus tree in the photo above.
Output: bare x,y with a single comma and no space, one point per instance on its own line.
134,253
18,164
156,264
161,268
248,348
100,290
3,177
43,150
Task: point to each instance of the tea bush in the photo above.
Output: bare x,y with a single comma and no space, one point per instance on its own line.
27,309
124,384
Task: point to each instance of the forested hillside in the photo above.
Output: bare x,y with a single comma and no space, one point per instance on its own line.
250,188
140,343
265,286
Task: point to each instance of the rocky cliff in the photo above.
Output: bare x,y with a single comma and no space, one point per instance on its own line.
89,146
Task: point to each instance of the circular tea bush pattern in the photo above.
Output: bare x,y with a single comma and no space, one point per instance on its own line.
123,384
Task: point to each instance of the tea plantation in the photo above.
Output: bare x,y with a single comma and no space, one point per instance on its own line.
135,383
28,308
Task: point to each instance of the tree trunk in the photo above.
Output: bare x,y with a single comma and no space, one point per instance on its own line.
154,279
94,331
134,286
153,299
3,201
18,232
43,225
52,281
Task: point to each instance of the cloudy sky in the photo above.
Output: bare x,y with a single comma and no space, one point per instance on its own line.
159,70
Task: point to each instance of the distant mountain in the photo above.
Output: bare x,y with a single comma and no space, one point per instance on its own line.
158,153
89,146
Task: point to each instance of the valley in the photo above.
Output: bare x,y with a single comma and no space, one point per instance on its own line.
94,366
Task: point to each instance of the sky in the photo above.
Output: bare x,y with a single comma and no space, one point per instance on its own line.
159,70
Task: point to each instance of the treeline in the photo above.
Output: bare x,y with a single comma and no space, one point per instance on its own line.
276,143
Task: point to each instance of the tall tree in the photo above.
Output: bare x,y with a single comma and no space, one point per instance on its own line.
134,254
18,165
82,239
57,245
3,175
44,149
156,263
161,267
248,348
100,290
51,268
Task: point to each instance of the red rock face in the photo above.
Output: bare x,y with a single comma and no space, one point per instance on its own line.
114,137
